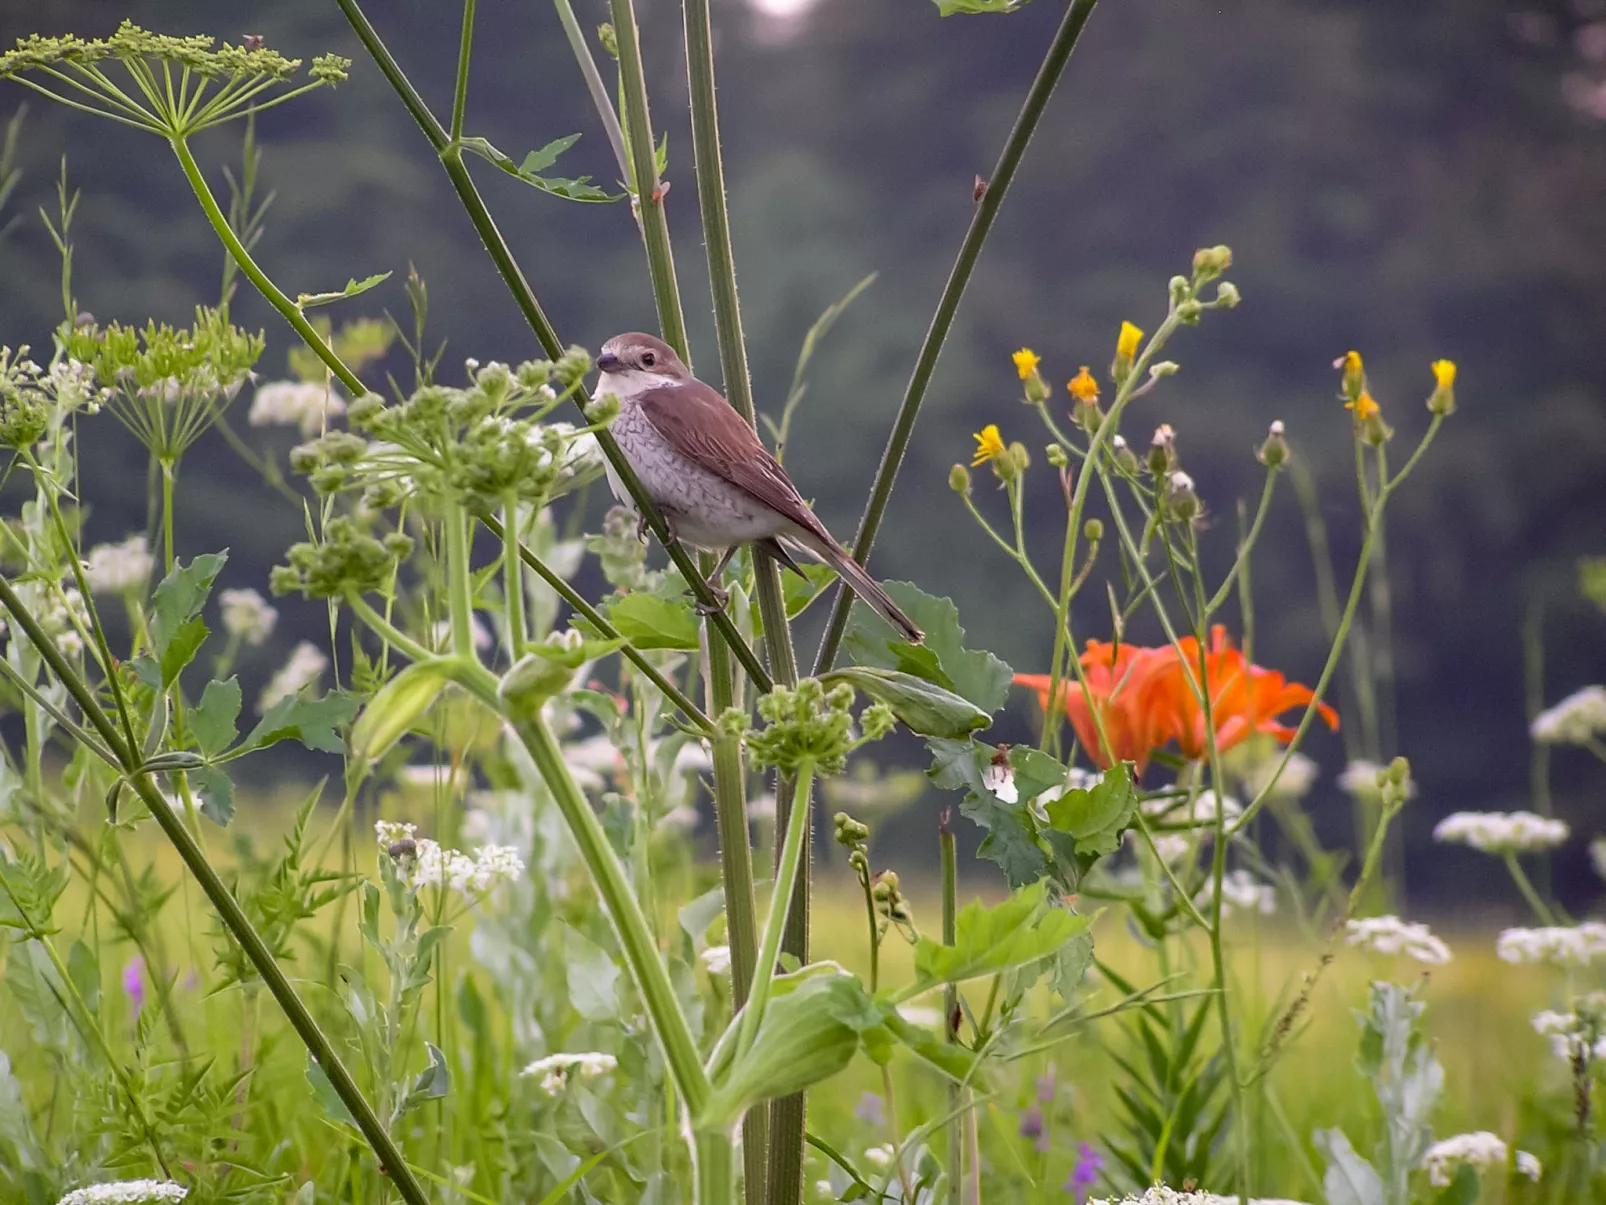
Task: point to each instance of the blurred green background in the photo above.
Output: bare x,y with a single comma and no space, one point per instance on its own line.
1413,181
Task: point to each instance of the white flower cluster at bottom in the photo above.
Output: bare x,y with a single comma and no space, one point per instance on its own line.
427,864
556,1069
1161,1195
1391,935
1481,1149
126,1192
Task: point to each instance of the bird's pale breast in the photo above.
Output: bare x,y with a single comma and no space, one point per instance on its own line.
702,507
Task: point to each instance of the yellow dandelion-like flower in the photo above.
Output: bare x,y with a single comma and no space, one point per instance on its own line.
1026,361
1126,346
1350,362
989,446
1365,407
1083,387
1444,373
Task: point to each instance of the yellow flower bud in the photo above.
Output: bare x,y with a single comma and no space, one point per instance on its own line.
1126,350
1354,374
1442,400
1083,387
1026,361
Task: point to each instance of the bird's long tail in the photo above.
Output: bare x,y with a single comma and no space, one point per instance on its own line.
866,587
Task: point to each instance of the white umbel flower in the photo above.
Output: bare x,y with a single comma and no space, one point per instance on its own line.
300,404
717,959
1359,780
1481,1149
426,863
247,615
303,669
1295,782
557,1069
1578,1034
1501,832
1576,720
1564,945
1161,1195
126,1192
119,568
1391,935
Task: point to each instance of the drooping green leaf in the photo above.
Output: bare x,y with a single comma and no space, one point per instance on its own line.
307,301
397,706
433,1082
1350,1179
925,707
1096,817
956,1062
214,719
177,632
948,8
324,1093
1021,929
216,792
975,674
310,721
649,621
535,162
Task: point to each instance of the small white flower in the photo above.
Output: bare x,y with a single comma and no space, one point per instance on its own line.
1481,1149
247,615
1576,720
1390,935
1295,782
557,1069
126,1192
1578,1034
118,568
300,404
1161,1195
879,1156
302,670
1241,891
1564,945
717,960
999,778
1501,832
1200,813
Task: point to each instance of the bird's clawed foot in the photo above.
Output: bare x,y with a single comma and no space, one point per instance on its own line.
721,599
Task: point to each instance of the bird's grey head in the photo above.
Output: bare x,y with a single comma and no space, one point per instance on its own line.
640,361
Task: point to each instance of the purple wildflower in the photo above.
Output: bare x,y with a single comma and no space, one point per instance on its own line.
134,982
1031,1122
870,1110
1086,1172
1047,1088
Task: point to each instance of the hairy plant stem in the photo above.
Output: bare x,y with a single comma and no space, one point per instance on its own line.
228,908
981,224
512,275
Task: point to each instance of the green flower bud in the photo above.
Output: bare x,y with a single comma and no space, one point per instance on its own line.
1274,452
1056,456
1182,503
1188,312
609,39
1165,368
876,721
1125,459
1399,771
806,724
959,479
1179,289
1162,450
1210,262
1019,458
1093,531
572,366
533,374
1227,297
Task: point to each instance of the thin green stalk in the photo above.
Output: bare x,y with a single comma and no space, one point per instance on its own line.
629,923
981,224
465,47
459,582
1245,546
1327,595
598,620
1520,878
775,924
228,908
594,85
524,296
513,575
276,298
950,1001
1533,665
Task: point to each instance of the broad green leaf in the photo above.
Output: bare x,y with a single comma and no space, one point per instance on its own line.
1350,1179
310,721
433,1082
306,301
535,162
651,622
975,674
324,1093
1011,840
925,707
956,1062
1097,817
216,792
988,940
397,706
591,977
176,629
800,592
948,8
214,719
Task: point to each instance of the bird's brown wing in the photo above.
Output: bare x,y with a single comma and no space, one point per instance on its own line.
701,425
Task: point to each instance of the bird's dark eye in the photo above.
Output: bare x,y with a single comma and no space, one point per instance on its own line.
648,359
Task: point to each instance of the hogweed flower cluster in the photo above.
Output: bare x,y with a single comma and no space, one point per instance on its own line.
1481,1149
1578,719
1562,945
306,405
1502,832
1390,935
556,1070
119,568
126,1192
426,863
808,724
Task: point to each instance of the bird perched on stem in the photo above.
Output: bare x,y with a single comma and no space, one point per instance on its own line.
715,484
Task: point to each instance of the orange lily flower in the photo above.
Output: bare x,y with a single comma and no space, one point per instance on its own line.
1118,690
1244,698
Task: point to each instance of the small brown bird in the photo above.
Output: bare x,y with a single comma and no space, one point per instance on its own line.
715,484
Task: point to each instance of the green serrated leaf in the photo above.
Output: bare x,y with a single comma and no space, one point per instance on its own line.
179,597
310,721
1096,817
216,791
214,720
1021,929
307,301
974,674
1011,839
651,622
926,708
578,189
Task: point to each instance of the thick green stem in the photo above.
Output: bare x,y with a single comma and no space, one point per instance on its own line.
629,923
981,224
950,1002
524,296
775,924
459,583
228,908
716,1180
276,298
1535,901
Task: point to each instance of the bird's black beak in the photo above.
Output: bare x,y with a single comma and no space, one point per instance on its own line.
608,362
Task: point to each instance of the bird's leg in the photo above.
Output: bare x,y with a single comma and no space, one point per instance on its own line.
721,597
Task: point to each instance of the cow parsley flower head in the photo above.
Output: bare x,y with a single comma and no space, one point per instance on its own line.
1501,832
1390,935
126,1192
1564,945
1576,720
302,670
426,863
301,404
119,568
1576,1035
247,615
1481,1149
556,1070
1161,1195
